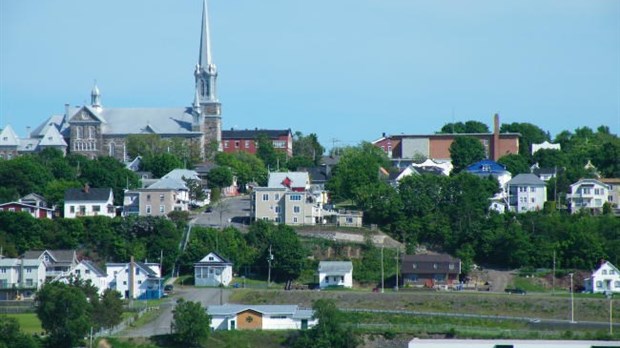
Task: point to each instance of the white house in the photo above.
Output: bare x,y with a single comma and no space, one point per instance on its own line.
605,279
87,271
294,181
89,202
545,145
20,277
587,194
260,317
335,273
213,270
136,280
526,192
57,262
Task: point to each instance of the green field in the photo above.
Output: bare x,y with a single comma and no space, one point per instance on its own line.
28,322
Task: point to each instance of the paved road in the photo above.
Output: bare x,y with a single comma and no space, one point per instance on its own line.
233,211
161,325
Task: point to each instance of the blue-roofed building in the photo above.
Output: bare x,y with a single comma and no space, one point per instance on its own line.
260,317
487,168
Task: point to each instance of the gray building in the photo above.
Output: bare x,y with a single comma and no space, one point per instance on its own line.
526,192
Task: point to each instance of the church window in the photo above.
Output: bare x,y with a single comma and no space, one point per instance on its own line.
78,132
207,89
112,149
91,132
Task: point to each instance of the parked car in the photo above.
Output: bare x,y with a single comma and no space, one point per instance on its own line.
515,291
168,289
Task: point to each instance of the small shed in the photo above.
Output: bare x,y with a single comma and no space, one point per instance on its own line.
335,273
213,270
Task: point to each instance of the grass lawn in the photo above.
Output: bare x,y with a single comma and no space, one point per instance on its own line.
28,322
527,284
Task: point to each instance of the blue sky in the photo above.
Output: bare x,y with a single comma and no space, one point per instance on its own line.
346,70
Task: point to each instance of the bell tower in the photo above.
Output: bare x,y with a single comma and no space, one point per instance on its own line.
207,109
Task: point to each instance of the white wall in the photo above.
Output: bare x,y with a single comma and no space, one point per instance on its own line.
203,277
347,283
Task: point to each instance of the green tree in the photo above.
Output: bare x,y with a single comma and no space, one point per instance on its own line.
358,167
219,177
267,153
64,313
107,311
467,127
246,167
191,323
288,253
465,151
515,164
530,134
11,336
329,332
108,172
161,164
307,149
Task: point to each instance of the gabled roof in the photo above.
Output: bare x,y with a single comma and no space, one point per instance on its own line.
430,264
486,166
180,174
233,309
91,195
8,137
217,259
52,138
93,267
526,179
609,265
56,121
22,204
169,184
589,182
57,256
33,197
335,266
289,179
9,262
28,145
254,134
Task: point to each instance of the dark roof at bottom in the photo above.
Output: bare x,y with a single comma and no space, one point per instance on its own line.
254,134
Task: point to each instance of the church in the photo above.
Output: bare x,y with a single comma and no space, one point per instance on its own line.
96,130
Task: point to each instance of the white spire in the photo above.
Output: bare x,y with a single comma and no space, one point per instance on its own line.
95,96
205,41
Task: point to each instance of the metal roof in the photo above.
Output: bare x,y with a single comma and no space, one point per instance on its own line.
253,134
233,309
295,179
526,179
8,137
335,266
93,194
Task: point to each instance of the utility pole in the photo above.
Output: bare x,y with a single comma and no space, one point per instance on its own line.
269,259
553,278
572,300
382,275
397,255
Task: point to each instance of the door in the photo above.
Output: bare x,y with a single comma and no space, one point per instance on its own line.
232,324
304,324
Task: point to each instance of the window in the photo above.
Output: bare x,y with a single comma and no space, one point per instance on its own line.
279,144
414,266
265,218
522,189
28,282
295,220
604,272
137,271
612,272
451,266
296,209
87,271
162,209
278,317
486,168
598,191
533,200
236,144
585,190
277,196
139,282
96,208
599,284
532,189
148,209
211,258
148,198
29,270
277,208
247,144
617,284
161,197
295,198
265,196
225,144
124,282
435,266
349,220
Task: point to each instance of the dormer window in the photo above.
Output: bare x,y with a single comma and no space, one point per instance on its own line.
486,168
414,266
211,258
435,266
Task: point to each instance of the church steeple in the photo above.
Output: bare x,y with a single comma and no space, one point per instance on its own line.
95,97
206,71
207,111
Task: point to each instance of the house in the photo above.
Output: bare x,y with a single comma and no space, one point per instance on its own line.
137,280
614,192
545,174
603,280
335,274
234,140
349,218
394,177
45,136
57,262
434,167
89,201
283,206
32,203
437,146
587,194
260,317
20,278
430,270
213,270
545,145
152,202
526,192
487,168
87,271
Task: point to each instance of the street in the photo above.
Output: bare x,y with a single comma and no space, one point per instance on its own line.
233,211
161,324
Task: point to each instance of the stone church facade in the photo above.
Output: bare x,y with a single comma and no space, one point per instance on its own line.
96,130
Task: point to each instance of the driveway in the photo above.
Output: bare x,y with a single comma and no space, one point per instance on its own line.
161,325
233,211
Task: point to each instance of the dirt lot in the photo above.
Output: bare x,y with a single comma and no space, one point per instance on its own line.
539,306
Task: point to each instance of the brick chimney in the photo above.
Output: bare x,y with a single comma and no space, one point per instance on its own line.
495,143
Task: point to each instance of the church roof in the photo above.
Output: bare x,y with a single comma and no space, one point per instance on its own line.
52,137
56,121
163,121
28,145
8,137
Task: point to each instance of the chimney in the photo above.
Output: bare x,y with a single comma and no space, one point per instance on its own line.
66,110
86,188
495,142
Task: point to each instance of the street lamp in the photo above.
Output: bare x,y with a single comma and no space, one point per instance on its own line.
610,295
572,300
